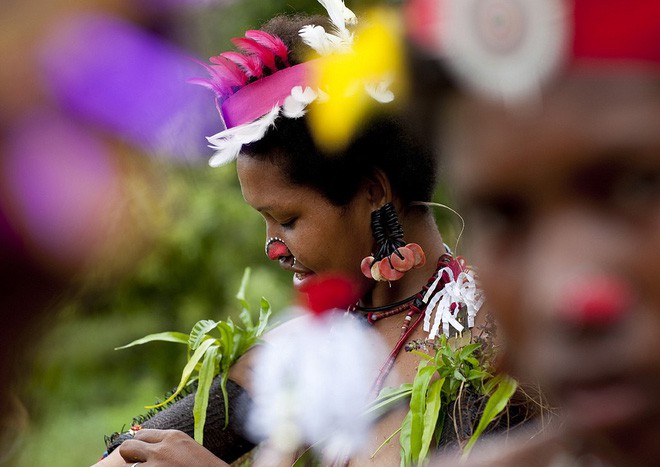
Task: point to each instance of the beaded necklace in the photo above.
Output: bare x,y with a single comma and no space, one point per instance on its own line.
414,305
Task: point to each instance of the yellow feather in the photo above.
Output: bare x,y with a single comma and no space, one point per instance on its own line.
376,56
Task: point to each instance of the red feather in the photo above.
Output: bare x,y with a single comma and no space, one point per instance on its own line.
218,85
252,47
229,71
274,43
250,63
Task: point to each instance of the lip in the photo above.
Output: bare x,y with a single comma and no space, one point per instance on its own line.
300,278
605,404
301,275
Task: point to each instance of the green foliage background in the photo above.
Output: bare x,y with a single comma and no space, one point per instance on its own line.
80,389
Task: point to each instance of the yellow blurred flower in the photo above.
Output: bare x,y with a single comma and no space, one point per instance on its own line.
358,82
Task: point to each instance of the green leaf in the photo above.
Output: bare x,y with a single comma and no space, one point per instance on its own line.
495,405
240,295
467,350
199,332
389,397
405,441
264,315
177,337
206,374
417,407
433,407
458,375
246,318
187,370
491,384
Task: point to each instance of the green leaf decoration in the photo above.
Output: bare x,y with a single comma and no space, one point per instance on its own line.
187,371
431,413
404,440
418,407
240,295
388,397
177,337
199,332
206,373
215,346
495,405
457,367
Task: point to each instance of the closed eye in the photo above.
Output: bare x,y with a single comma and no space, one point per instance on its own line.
288,224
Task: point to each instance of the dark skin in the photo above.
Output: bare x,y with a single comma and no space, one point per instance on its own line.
562,194
324,238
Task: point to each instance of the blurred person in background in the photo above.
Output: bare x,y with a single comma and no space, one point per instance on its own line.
341,209
550,125
72,138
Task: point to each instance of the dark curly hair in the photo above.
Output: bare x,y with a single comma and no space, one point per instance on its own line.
383,142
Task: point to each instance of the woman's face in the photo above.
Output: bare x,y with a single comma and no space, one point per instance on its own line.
562,200
323,238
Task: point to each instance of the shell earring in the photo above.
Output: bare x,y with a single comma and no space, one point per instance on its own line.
393,257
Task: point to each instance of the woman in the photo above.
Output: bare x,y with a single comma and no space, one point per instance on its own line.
562,190
342,213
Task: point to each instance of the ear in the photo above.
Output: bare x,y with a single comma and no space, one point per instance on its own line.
379,189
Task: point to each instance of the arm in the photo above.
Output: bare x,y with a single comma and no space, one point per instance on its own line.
225,443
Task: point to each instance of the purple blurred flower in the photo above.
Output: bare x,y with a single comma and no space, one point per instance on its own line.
57,183
114,75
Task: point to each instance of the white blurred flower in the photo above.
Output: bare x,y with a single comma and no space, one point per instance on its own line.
312,382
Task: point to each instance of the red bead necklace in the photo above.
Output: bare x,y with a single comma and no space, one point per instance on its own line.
414,305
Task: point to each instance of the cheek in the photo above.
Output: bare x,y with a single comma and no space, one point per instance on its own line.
646,266
504,288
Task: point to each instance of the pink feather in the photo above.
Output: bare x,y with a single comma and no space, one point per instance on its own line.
274,43
215,83
250,63
252,47
229,71
225,78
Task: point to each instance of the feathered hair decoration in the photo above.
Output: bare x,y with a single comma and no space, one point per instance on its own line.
257,83
340,38
228,143
260,53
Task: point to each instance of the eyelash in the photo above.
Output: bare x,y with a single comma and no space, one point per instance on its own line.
288,224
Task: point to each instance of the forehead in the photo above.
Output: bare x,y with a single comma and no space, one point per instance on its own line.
585,119
266,186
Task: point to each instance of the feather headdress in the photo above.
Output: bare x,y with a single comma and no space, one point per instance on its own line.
256,84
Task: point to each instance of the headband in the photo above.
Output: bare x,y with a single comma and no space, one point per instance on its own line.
509,48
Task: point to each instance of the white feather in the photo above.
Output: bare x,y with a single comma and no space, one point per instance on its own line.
316,38
380,91
323,42
338,13
228,143
295,104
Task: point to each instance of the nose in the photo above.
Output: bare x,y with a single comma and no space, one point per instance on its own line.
577,271
276,248
596,300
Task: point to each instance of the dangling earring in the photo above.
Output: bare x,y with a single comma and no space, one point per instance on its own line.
393,257
276,248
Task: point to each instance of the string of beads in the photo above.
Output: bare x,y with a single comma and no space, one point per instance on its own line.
414,305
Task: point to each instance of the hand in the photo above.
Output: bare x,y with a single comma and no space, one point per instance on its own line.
170,448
